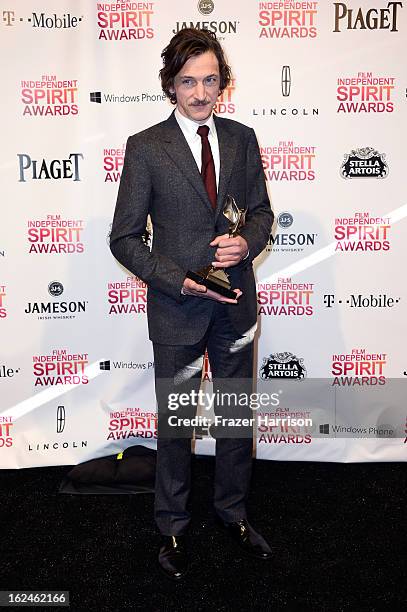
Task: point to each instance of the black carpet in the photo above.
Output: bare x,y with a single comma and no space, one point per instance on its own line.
338,533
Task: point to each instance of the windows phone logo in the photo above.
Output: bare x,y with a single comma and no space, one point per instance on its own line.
96,96
324,429
104,365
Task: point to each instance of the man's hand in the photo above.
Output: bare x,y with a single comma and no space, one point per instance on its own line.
230,251
190,287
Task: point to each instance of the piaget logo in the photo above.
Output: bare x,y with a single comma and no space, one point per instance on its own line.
374,18
54,169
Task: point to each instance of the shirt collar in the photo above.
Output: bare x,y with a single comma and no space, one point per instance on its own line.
190,127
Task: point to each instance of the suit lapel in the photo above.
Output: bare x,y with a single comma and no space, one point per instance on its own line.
227,154
178,149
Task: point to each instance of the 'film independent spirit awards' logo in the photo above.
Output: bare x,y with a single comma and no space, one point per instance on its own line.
60,367
3,304
55,235
49,96
125,20
287,19
6,431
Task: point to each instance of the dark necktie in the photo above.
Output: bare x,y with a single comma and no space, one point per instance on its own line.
208,165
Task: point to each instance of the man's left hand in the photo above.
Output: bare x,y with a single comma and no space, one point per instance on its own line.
230,251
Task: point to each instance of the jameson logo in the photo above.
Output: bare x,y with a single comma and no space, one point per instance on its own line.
282,365
364,163
58,310
205,7
218,27
280,241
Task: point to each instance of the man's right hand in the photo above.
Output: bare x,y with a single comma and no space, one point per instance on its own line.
190,287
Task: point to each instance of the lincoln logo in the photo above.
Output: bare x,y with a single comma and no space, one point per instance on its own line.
60,419
285,81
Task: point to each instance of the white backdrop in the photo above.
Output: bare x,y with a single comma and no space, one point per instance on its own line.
322,84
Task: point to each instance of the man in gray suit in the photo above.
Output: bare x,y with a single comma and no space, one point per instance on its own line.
179,172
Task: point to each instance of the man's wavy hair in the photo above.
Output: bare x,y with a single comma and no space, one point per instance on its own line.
185,44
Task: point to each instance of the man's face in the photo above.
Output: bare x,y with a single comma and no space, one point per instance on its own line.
197,86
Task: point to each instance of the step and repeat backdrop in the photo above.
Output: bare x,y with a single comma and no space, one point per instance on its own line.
324,86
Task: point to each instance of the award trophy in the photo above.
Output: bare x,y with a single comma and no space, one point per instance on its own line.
217,279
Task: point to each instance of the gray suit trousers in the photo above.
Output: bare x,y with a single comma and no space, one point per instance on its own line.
178,370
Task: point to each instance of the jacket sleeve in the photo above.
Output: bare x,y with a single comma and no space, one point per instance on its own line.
259,216
129,223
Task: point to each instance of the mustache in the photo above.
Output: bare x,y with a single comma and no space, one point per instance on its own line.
200,103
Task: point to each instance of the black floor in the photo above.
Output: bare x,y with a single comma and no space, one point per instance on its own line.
338,532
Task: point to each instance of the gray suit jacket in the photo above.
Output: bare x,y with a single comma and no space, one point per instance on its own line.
160,177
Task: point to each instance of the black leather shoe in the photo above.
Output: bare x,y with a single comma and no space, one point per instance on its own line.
172,557
248,538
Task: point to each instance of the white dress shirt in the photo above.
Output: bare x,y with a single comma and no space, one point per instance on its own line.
189,129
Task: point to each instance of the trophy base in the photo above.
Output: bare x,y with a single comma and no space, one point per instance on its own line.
213,279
